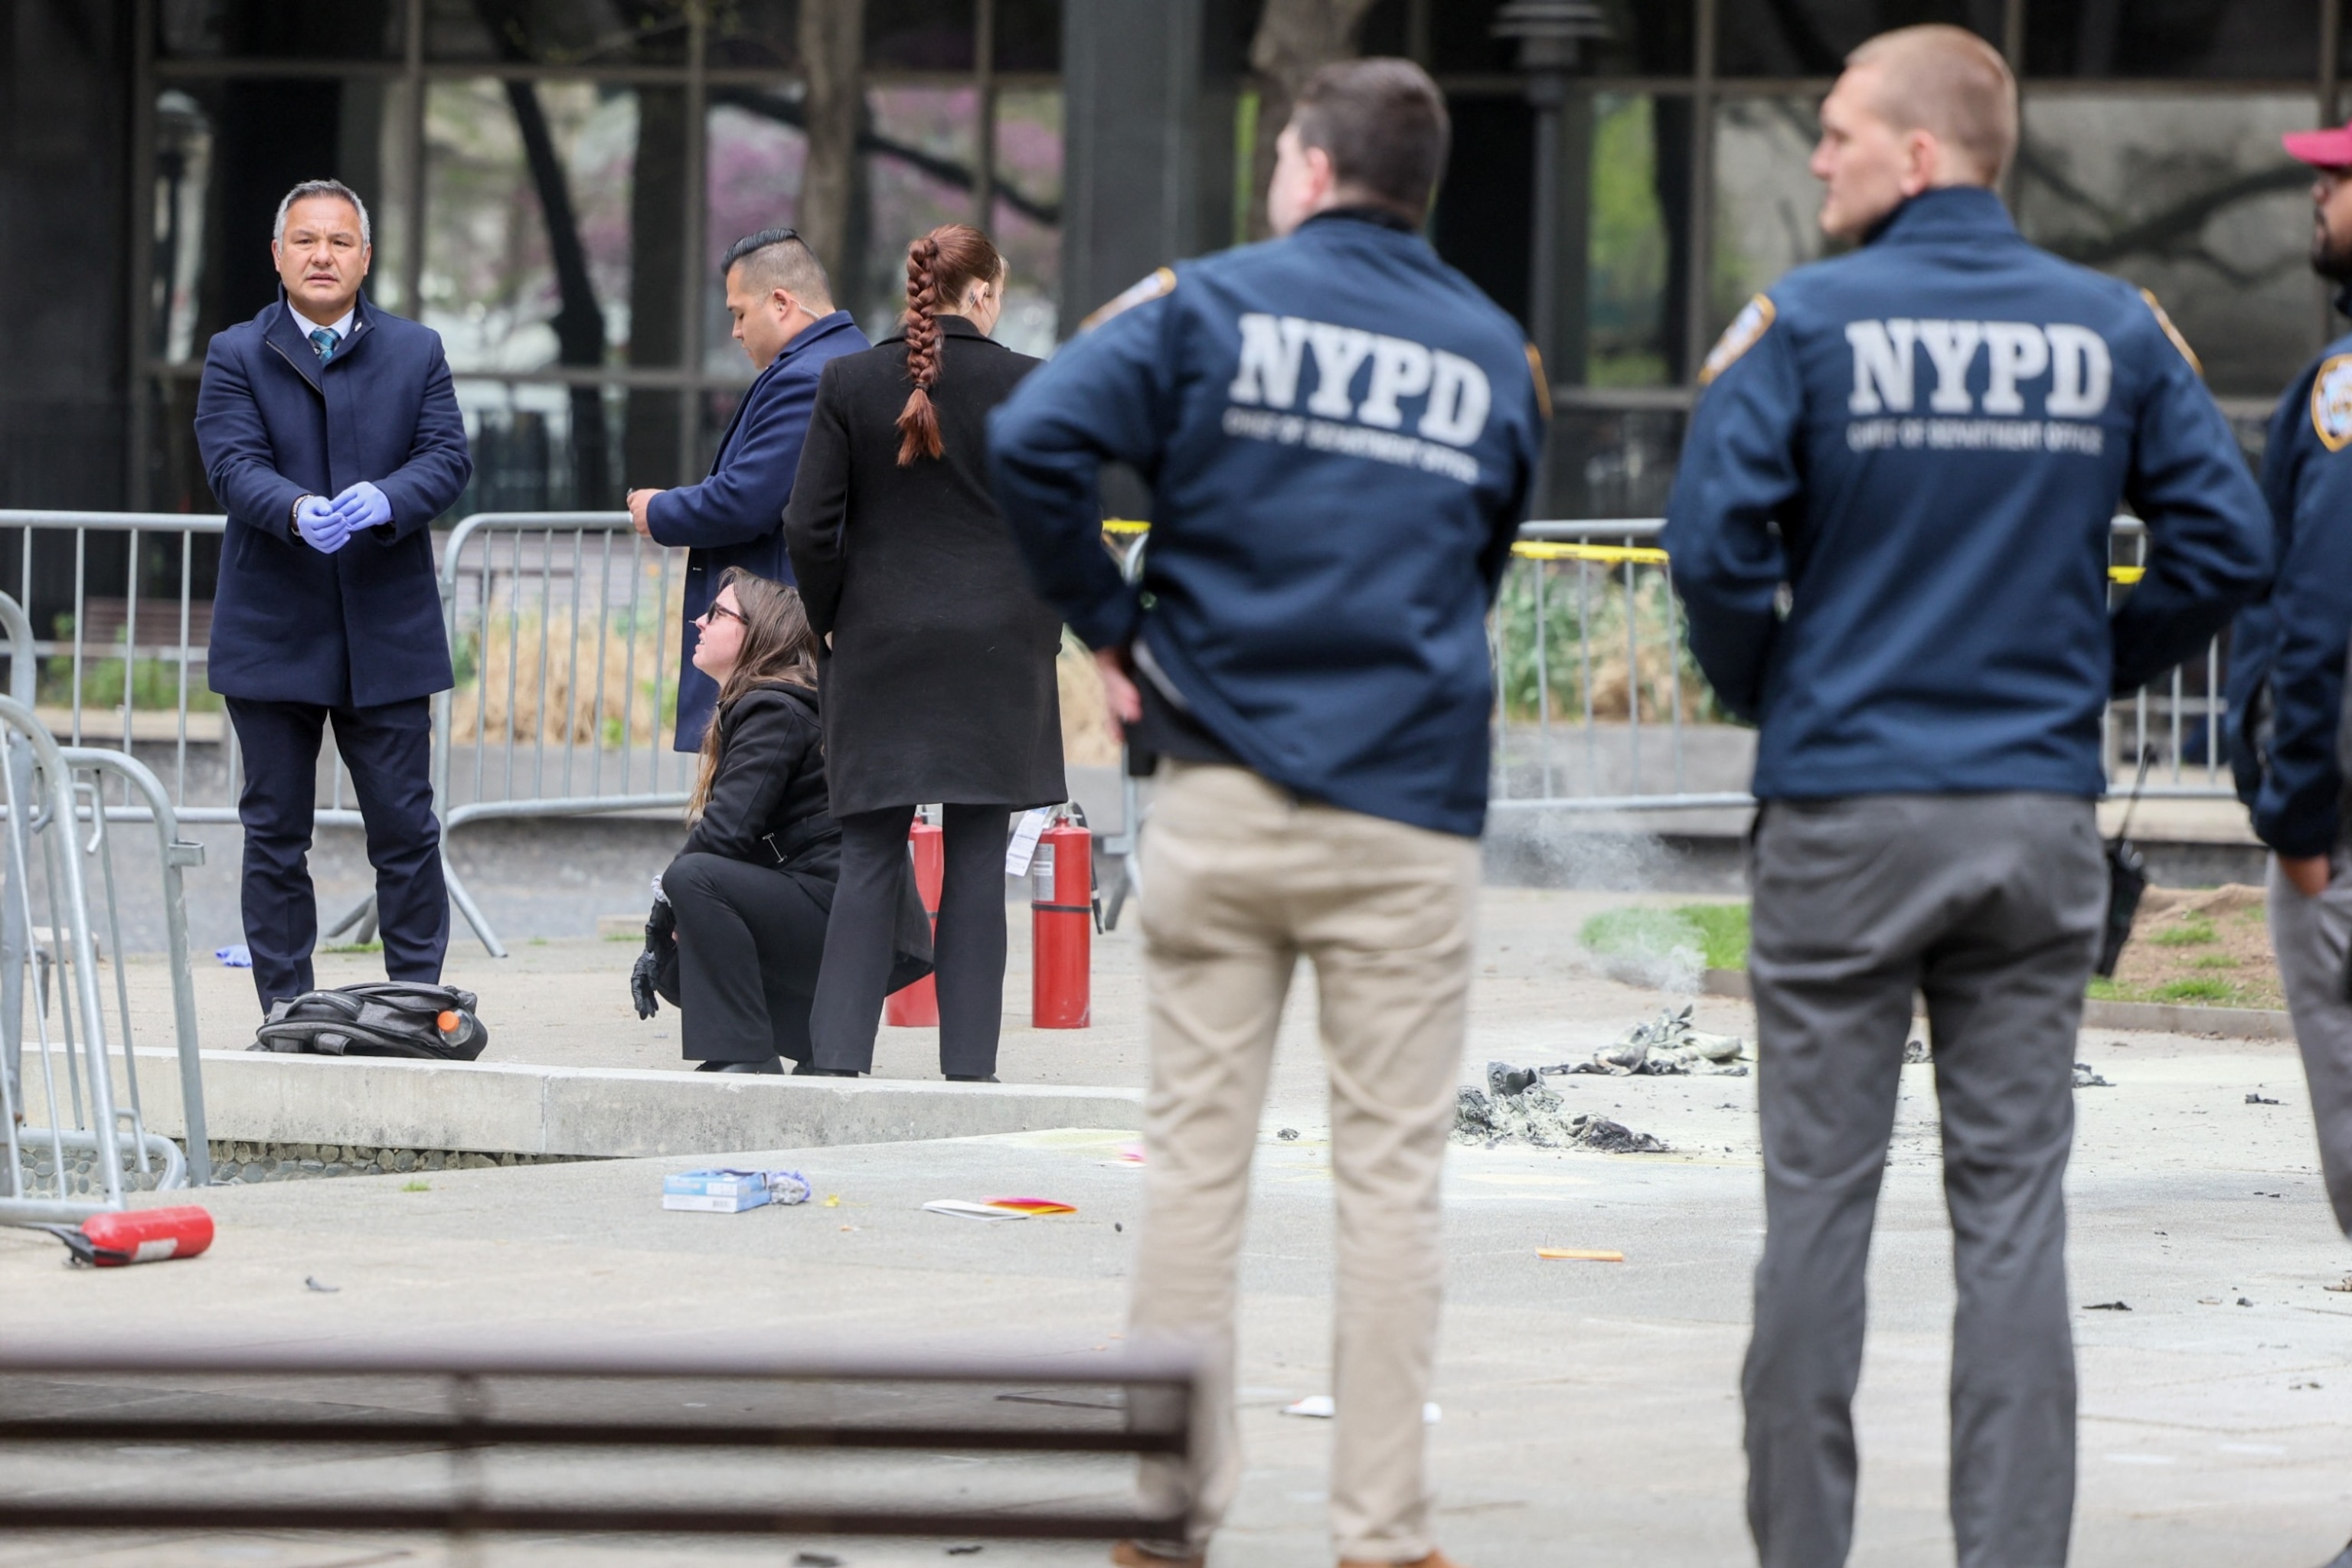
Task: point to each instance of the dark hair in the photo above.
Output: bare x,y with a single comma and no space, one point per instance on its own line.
779,258
1383,123
941,266
779,650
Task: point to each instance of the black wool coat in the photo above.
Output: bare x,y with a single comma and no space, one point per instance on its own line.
939,686
768,799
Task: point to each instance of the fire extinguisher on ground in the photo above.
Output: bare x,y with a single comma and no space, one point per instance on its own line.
917,1006
1061,917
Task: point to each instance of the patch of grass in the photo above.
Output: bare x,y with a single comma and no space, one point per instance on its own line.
538,942
2188,933
1724,929
1717,932
374,946
2195,991
2216,960
2103,990
417,1186
624,936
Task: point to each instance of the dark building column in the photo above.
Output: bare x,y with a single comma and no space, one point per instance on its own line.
1147,125
65,84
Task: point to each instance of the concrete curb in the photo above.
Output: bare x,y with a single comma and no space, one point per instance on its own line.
2147,1018
597,1113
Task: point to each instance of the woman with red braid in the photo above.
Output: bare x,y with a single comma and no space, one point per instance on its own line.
940,683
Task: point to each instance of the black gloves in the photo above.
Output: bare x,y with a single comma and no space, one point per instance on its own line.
661,926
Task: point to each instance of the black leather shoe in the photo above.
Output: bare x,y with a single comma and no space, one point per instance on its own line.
972,1077
810,1069
772,1064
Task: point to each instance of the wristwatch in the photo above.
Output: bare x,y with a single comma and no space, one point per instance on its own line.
294,514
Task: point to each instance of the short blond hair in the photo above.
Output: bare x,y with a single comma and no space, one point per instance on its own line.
1950,83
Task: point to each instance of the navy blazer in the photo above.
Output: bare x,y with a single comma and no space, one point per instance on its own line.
362,626
736,516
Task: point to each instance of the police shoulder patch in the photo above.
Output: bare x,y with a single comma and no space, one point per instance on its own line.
2173,332
1755,319
1542,380
1162,280
2331,401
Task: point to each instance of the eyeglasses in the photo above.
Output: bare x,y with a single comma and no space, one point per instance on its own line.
718,611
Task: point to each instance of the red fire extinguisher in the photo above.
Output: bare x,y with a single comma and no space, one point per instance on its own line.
141,1236
1061,917
917,1006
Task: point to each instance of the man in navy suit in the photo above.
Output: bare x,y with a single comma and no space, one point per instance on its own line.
331,437
782,306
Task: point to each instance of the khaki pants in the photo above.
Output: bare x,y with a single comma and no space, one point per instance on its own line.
1240,882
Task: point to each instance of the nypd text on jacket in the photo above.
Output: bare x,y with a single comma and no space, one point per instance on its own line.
1925,441
1340,431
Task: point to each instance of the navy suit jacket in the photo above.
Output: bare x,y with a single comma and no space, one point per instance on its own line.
736,516
362,626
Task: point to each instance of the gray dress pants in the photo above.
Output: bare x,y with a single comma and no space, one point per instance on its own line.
2310,937
1990,906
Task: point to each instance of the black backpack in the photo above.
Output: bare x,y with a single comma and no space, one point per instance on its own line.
386,1018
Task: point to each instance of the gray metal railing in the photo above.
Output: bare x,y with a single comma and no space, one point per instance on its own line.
1604,710
77,1075
519,736
518,1430
567,623
563,629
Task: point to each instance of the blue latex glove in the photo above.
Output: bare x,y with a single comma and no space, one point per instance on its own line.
362,506
322,528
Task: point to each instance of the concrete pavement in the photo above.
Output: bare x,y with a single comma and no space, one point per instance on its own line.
1590,1410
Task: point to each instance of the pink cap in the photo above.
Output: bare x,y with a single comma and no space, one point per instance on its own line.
2321,149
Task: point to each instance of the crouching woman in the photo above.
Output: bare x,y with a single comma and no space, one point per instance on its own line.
749,896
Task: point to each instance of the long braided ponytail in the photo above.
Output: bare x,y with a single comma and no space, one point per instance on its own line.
941,267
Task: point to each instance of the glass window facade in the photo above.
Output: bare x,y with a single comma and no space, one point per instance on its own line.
2150,151
553,182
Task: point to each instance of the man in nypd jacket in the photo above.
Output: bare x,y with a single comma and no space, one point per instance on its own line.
782,306
2287,687
1340,433
331,437
1890,530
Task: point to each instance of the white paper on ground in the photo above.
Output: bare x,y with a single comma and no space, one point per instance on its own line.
962,1209
1018,853
1321,1408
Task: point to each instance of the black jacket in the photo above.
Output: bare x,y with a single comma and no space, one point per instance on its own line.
767,803
941,683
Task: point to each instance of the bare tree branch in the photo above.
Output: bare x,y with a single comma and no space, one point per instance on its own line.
832,50
946,171
1295,38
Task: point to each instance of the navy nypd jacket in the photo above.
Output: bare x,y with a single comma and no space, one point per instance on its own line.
736,516
274,422
1340,431
2287,652
1925,440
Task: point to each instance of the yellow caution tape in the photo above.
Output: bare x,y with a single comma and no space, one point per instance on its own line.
1601,554
1606,555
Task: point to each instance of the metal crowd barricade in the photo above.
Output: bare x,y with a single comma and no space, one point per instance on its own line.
563,627
585,1440
1604,710
35,763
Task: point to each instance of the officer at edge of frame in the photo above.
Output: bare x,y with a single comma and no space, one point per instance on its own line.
2287,660
1922,443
